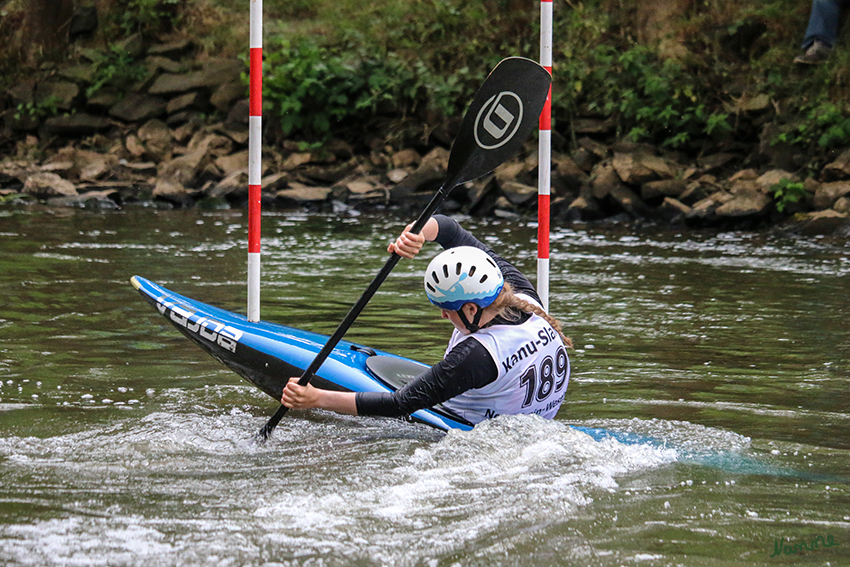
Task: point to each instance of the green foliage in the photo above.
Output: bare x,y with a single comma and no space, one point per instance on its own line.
653,100
391,63
115,68
824,126
313,90
149,15
787,192
38,110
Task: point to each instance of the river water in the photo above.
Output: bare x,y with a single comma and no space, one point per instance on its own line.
723,357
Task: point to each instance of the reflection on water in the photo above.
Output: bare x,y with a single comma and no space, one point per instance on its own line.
721,359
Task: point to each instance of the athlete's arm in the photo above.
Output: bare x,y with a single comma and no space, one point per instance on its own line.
469,365
310,397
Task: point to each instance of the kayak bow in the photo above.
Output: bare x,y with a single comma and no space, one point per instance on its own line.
267,355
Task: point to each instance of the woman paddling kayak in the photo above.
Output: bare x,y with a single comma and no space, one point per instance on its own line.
516,362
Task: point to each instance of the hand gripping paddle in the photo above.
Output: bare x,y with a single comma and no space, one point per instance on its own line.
503,113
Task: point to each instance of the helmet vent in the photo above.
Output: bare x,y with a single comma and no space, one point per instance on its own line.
471,271
483,279
446,270
492,263
430,287
457,269
434,277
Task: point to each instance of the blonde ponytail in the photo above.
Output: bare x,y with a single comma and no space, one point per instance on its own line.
508,305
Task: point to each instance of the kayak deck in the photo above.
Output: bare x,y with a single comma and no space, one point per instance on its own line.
267,355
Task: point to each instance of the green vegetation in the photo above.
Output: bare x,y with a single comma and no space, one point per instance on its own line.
149,15
37,110
400,69
116,68
787,192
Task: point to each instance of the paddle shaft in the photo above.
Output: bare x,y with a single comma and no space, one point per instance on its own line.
355,311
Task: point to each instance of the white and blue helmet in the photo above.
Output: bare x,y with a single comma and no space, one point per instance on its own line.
463,275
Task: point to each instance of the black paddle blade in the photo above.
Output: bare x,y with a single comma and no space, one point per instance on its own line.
505,110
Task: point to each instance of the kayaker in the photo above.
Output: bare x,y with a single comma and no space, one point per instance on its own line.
506,354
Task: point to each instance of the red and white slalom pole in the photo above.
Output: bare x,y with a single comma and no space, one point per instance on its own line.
544,167
255,158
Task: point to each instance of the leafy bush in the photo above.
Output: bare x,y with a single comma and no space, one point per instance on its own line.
115,68
787,192
653,100
314,90
149,15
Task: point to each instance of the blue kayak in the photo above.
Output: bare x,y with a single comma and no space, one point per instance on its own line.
267,355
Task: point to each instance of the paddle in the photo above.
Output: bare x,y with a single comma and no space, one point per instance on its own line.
503,113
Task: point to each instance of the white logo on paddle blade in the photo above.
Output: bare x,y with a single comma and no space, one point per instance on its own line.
498,120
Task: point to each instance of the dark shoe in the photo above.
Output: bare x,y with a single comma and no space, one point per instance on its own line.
816,54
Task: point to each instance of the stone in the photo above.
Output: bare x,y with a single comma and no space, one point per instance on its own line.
663,188
224,96
214,74
757,103
842,205
715,161
838,169
79,124
174,49
594,126
639,168
672,209
397,175
104,99
234,186
705,208
518,193
603,179
772,177
156,64
138,107
79,74
428,176
157,138
360,187
171,190
233,163
584,208
94,200
133,46
60,94
192,99
599,151
510,170
296,159
569,172
183,169
629,201
406,158
301,195
745,175
745,204
46,184
819,223
828,193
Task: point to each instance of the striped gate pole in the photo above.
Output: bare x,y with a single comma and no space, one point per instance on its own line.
544,167
255,158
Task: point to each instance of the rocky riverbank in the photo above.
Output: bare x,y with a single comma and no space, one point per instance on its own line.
178,138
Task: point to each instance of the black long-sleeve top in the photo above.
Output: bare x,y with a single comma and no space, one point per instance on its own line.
468,365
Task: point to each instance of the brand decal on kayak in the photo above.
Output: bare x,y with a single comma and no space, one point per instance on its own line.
498,120
207,328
